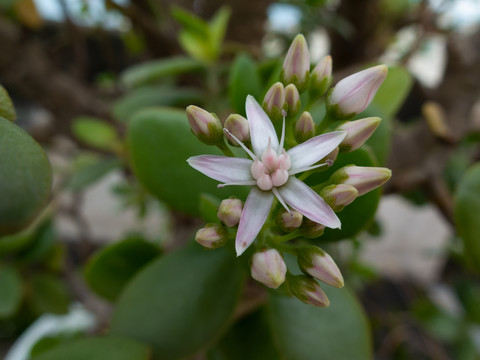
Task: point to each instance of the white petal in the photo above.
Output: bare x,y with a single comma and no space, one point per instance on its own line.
255,212
315,149
307,202
222,168
261,127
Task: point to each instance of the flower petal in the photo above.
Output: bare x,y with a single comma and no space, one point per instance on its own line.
261,128
307,202
315,149
255,212
222,168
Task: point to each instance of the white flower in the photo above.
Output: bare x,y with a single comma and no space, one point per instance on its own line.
271,172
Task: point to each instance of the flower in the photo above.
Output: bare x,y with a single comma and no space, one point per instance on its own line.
271,172
269,268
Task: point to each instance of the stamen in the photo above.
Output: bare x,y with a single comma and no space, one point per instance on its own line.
282,138
247,150
280,199
296,171
250,183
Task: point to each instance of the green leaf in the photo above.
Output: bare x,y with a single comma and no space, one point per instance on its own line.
111,268
95,132
190,22
7,110
244,80
218,27
148,96
11,291
250,338
360,214
93,171
42,244
209,207
48,294
467,208
160,142
196,46
149,72
306,332
25,178
181,302
101,348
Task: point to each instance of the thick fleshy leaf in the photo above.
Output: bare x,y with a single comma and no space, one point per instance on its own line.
315,149
467,208
255,212
11,294
181,302
223,168
101,348
7,110
48,294
306,201
25,178
244,80
261,127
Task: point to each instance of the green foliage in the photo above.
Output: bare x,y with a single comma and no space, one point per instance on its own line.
152,71
25,178
200,39
111,268
160,141
467,208
91,170
306,332
48,294
209,207
11,291
95,132
101,348
181,302
7,110
244,80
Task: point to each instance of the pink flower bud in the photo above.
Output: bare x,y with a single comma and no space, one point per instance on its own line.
311,229
269,268
206,126
308,291
353,94
289,220
274,101
292,97
358,132
304,127
212,236
321,77
238,126
364,179
317,263
296,67
339,196
230,211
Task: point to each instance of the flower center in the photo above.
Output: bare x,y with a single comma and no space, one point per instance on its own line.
272,170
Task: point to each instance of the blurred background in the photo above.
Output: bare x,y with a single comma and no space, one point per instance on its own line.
74,68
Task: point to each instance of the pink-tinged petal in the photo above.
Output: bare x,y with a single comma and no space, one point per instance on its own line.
315,149
222,168
261,128
307,202
255,212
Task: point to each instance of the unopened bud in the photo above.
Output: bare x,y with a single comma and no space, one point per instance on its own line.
230,211
238,126
289,220
206,126
358,132
269,268
364,179
296,67
317,263
274,101
304,127
308,291
321,77
292,97
311,229
353,94
212,236
338,196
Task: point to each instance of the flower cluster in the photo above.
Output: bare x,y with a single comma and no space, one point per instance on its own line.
273,162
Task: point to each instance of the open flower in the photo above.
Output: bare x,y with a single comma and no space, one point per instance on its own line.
271,173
